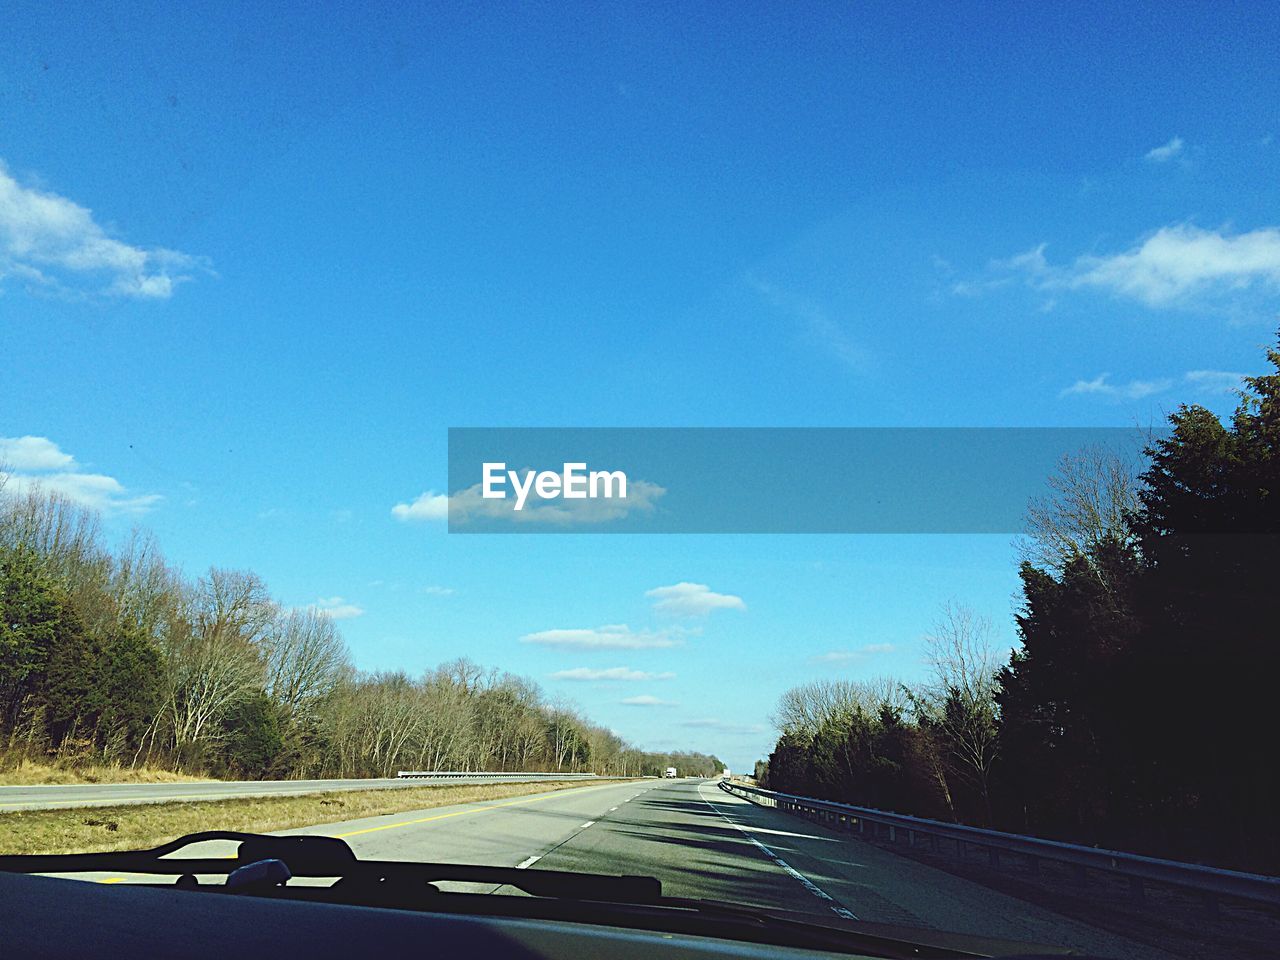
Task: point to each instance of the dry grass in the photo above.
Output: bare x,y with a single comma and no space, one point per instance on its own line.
86,830
27,773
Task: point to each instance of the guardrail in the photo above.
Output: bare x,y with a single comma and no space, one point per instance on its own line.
1209,882
478,775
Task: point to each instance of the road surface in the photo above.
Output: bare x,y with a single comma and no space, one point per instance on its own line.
701,842
59,796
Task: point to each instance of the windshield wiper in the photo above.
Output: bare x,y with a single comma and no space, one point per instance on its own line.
329,857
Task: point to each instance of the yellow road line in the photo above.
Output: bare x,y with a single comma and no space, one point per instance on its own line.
462,813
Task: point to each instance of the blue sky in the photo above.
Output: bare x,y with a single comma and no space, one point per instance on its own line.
255,262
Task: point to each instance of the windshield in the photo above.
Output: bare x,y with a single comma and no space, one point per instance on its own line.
676,442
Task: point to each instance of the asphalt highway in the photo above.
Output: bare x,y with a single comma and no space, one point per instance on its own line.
701,842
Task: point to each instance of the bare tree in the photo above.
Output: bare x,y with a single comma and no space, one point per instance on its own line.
144,591
1093,491
304,659
213,658
802,710
957,708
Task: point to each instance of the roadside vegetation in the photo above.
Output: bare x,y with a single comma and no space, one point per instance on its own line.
1139,711
28,773
115,666
134,826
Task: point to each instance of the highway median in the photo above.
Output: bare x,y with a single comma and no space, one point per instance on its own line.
130,827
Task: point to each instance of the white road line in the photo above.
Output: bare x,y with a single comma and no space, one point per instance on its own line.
611,809
524,864
836,907
587,824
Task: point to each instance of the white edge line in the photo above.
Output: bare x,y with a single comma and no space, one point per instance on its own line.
524,864
808,884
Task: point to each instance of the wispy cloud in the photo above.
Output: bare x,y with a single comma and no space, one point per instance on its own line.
437,591
53,245
1175,266
38,463
815,322
692,600
724,726
1102,387
610,637
1215,381
619,674
467,505
647,700
338,608
859,655
1204,381
1166,152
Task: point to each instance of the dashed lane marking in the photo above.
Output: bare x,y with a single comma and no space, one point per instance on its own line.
468,812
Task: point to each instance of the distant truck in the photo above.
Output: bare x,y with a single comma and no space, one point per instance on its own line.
671,773
726,773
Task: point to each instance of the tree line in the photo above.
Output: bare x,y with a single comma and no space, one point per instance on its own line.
112,657
1138,711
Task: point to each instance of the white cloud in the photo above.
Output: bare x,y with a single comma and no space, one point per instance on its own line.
34,453
1165,153
853,656
1174,266
1176,262
337,608
1102,387
428,506
646,700
53,244
467,505
692,600
610,637
39,457
625,674
435,591
93,490
725,726
1215,381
